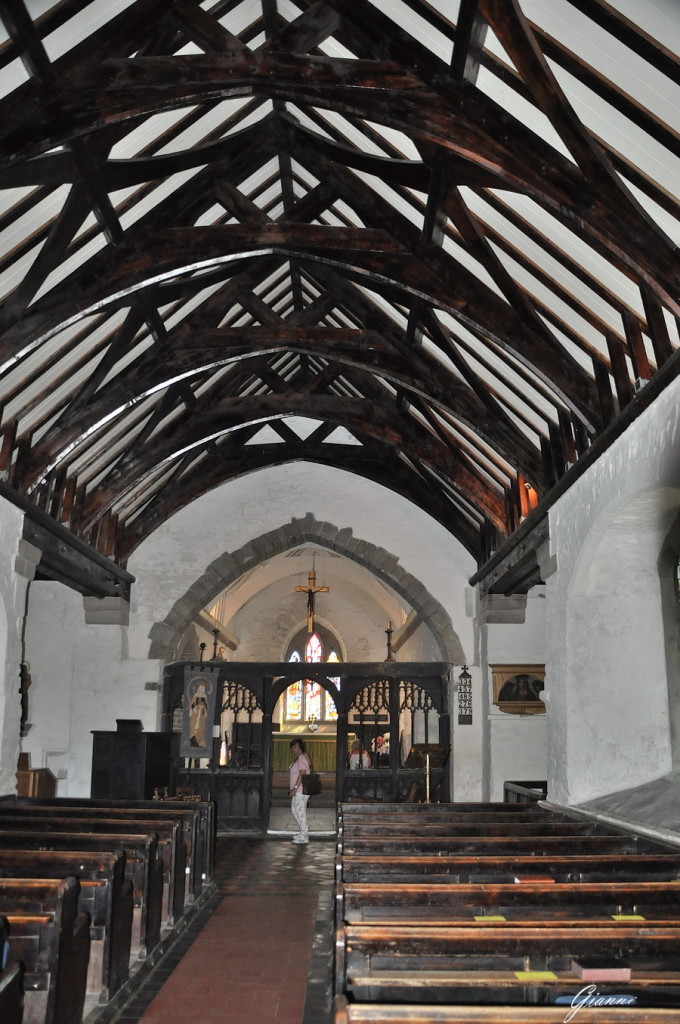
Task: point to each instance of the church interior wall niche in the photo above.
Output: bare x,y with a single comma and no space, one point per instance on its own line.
516,688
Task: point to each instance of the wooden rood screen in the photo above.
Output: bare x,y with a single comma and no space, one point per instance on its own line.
525,923
397,712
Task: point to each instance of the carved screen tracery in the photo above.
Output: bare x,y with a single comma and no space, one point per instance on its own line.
370,715
418,717
241,726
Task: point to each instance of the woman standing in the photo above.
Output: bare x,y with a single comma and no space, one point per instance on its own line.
298,805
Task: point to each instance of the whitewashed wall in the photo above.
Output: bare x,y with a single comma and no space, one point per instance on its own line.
518,744
168,562
81,680
84,676
179,551
12,600
265,638
607,686
468,743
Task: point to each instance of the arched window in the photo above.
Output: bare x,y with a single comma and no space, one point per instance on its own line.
293,703
303,702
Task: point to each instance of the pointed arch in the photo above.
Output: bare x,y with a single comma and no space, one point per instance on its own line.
228,567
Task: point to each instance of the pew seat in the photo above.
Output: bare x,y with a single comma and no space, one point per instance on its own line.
143,867
108,904
54,948
171,847
374,963
346,1012
447,868
198,819
411,903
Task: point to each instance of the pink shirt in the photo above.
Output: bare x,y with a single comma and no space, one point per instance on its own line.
302,764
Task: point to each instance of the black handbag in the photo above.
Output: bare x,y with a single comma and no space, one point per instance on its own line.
311,783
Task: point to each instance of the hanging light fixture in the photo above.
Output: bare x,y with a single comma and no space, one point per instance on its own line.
465,697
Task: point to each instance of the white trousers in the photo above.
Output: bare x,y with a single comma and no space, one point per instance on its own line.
298,807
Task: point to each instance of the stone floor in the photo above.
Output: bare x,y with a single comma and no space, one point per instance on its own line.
259,951
321,821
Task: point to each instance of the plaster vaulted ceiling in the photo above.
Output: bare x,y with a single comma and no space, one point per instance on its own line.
429,242
272,584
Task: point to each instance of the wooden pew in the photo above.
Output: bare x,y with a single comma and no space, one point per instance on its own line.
449,815
12,994
345,1012
54,946
436,869
503,845
350,810
105,896
501,963
473,827
193,823
385,903
143,867
170,845
426,921
199,834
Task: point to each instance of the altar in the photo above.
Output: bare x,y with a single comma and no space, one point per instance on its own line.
320,749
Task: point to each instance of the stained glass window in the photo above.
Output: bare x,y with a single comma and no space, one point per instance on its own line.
292,711
294,702
311,701
314,649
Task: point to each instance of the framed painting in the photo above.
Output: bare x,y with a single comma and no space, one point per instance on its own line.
516,688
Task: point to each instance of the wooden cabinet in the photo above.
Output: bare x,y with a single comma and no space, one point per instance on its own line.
36,782
130,764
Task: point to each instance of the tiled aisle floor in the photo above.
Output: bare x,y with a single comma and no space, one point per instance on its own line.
263,946
321,820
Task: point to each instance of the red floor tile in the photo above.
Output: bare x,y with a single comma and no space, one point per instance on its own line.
249,964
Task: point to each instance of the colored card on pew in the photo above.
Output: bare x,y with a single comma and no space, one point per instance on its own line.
595,969
489,917
534,878
535,975
628,917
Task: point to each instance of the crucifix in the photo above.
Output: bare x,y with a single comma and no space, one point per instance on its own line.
311,590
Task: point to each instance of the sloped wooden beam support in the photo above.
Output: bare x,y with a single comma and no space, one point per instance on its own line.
360,417
471,29
514,32
378,91
377,463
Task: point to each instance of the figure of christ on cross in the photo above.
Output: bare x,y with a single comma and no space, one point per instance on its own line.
311,590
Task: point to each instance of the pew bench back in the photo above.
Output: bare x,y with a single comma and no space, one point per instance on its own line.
143,867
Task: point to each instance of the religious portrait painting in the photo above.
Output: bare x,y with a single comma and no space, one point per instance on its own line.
198,715
517,688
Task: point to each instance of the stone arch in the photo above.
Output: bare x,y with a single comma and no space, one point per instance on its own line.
230,566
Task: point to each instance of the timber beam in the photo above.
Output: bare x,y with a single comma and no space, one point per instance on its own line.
65,558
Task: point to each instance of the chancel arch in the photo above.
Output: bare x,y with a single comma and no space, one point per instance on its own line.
228,569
